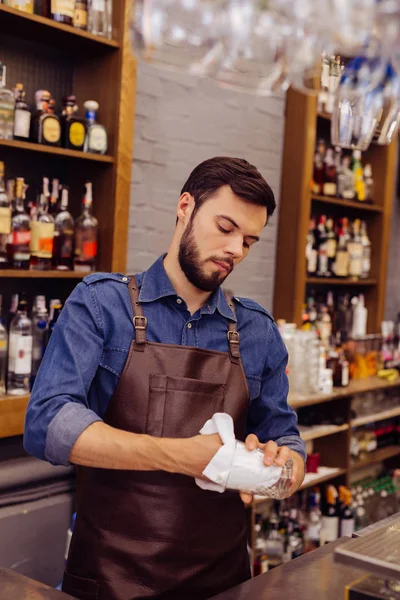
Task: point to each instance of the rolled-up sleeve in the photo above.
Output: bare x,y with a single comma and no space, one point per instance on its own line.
270,417
58,410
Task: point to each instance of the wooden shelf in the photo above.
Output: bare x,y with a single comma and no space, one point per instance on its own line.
17,145
373,418
334,281
12,415
377,456
22,274
319,431
46,31
359,386
324,474
362,206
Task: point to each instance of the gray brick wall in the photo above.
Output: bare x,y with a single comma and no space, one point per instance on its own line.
181,121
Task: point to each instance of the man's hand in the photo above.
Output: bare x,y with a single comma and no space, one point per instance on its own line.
196,452
279,454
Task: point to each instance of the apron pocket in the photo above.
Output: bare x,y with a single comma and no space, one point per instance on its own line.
80,587
179,407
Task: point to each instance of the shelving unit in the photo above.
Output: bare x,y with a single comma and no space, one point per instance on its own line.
297,203
377,456
44,54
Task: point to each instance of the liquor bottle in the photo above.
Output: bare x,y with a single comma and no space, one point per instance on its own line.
56,308
55,190
274,544
330,516
318,175
81,14
311,249
7,105
61,11
63,253
339,365
23,5
100,17
295,537
330,305
322,248
96,140
86,235
323,94
366,251
40,325
347,521
346,182
22,115
330,184
42,231
13,310
355,252
46,127
74,128
313,532
369,183
358,171
5,220
3,351
331,245
341,265
19,240
324,325
260,559
20,353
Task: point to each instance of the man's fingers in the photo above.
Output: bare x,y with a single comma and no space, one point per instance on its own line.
246,498
283,456
270,452
252,442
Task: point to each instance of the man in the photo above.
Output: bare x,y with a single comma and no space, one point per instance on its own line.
134,368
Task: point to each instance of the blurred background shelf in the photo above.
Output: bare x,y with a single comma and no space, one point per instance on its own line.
377,456
65,152
319,431
362,206
343,282
12,415
373,418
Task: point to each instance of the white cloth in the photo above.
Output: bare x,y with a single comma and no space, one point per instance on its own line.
233,466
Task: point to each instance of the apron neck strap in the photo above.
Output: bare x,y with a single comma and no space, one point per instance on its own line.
139,320
233,335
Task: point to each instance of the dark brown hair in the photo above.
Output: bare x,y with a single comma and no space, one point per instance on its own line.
243,178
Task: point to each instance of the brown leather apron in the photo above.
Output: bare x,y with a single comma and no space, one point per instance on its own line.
152,534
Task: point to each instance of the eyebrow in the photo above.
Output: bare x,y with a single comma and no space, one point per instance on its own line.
252,237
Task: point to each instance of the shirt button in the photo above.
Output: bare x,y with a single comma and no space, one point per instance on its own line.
189,326
179,301
124,279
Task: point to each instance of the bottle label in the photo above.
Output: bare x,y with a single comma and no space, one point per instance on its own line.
345,375
77,134
312,261
3,347
63,7
80,15
20,354
22,123
346,527
366,262
5,220
24,5
42,239
51,130
342,264
21,238
329,189
67,244
97,139
99,5
329,529
355,252
323,260
89,250
331,248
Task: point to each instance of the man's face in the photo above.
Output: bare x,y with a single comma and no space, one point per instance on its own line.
218,238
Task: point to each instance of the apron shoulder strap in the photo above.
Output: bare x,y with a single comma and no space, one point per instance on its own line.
233,335
139,320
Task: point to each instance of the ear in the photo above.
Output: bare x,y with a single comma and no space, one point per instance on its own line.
185,208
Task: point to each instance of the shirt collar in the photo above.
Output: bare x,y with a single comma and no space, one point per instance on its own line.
156,284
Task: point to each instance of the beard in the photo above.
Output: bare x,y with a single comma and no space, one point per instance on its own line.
192,265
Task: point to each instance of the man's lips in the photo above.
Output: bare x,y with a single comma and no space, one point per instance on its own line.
222,265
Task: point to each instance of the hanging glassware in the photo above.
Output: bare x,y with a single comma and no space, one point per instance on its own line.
390,119
178,35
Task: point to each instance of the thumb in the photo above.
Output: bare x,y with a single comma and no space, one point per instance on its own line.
246,498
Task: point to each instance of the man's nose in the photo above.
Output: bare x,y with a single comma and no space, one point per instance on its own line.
234,247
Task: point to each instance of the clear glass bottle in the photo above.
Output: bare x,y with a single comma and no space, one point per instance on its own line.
22,116
20,352
96,140
100,18
86,233
18,247
5,220
322,248
366,251
46,127
40,324
355,252
3,350
42,231
274,545
63,253
7,107
54,197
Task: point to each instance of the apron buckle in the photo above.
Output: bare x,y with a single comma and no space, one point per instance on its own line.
143,320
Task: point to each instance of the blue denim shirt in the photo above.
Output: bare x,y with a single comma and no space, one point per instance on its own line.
90,343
